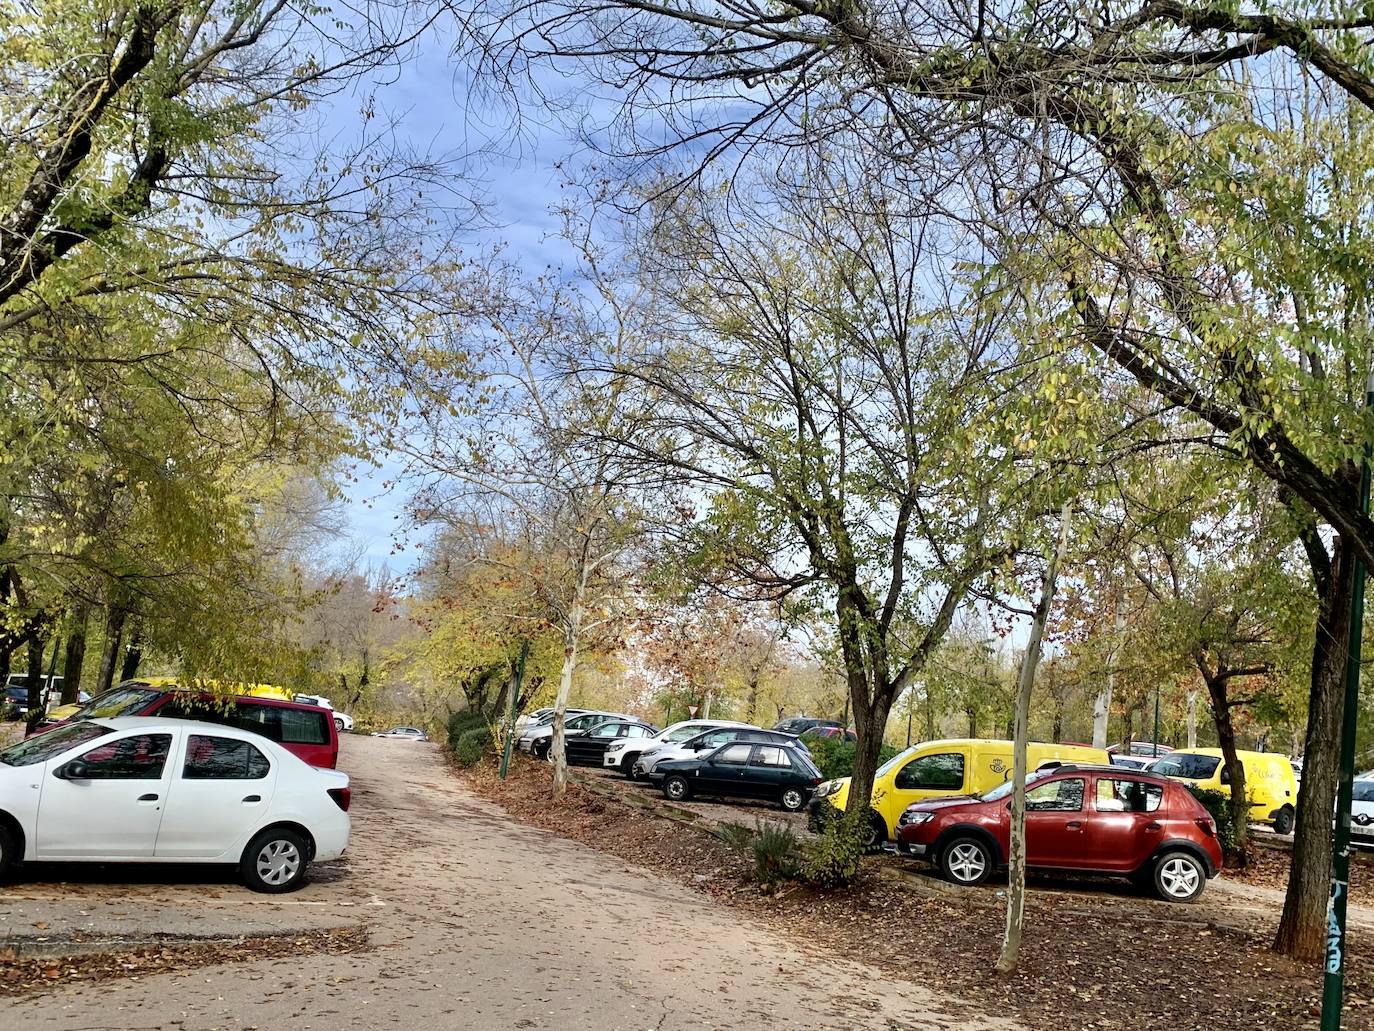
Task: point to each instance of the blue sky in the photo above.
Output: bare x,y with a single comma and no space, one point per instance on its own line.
515,173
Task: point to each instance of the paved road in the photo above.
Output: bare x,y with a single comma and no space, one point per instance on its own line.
483,924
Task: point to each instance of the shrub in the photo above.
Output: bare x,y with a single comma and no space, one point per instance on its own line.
735,835
472,745
777,851
834,858
1218,805
461,723
835,756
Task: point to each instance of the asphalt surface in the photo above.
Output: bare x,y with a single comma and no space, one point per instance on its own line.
477,923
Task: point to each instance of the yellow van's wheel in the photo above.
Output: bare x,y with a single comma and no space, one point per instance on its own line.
877,831
1284,821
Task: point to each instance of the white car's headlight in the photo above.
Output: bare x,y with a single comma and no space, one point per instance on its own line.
616,746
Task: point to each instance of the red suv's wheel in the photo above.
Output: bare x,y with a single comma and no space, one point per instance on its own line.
1179,877
966,861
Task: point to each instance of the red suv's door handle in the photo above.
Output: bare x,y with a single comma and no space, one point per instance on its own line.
1075,825
1152,826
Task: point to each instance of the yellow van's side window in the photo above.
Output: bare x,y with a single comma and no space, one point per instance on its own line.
943,772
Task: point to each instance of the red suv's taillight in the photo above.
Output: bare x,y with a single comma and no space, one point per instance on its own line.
1208,825
343,796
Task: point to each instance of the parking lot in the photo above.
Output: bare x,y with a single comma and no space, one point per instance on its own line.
473,921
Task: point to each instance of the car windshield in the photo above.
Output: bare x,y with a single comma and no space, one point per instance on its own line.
42,747
894,762
124,701
682,733
1004,789
1187,765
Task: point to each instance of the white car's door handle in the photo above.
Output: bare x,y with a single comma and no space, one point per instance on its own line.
147,798
248,799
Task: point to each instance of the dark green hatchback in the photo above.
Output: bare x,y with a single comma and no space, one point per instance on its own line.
744,769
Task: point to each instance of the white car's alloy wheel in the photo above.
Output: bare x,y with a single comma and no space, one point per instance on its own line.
278,861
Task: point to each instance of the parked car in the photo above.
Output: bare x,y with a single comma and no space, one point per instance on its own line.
17,691
1149,749
623,754
744,769
1132,762
540,717
824,732
588,747
305,730
798,725
1089,819
343,722
108,704
1362,813
402,734
536,740
1270,786
707,741
936,768
170,791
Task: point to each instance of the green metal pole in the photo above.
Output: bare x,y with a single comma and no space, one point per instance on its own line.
1333,988
514,697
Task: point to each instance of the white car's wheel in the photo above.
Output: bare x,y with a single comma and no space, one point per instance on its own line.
275,861
338,724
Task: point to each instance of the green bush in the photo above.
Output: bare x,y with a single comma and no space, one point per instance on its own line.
461,723
472,746
834,756
1218,805
776,854
834,858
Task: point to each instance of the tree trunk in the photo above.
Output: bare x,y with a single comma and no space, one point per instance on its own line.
1302,928
75,656
1192,719
572,634
705,711
133,655
34,680
1016,870
1235,770
1102,705
972,721
109,654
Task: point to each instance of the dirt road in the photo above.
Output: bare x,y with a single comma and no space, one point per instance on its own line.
480,923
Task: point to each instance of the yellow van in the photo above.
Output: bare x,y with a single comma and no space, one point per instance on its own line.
65,712
1270,785
965,766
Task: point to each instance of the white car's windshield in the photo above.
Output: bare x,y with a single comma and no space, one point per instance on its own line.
1004,789
42,747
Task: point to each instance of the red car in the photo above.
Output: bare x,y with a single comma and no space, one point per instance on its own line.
1092,819
307,731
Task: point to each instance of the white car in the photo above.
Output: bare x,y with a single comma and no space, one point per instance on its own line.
343,722
622,755
139,789
403,733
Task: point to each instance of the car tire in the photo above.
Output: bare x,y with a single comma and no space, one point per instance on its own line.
1285,820
338,724
627,765
877,832
275,861
966,861
676,788
541,751
792,799
1179,876
9,850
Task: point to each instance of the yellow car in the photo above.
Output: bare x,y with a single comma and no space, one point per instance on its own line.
110,703
966,766
1270,785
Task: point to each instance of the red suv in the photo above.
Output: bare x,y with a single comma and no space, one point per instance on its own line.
1094,819
305,730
